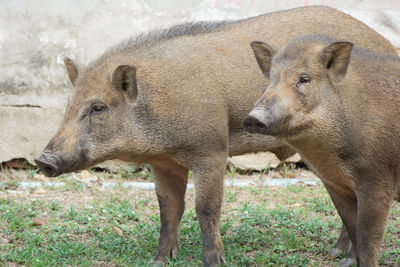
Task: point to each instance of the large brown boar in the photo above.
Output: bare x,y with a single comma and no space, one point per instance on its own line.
176,99
340,109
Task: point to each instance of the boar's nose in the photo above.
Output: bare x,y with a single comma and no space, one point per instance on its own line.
253,125
47,164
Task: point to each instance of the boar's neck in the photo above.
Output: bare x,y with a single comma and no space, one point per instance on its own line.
327,148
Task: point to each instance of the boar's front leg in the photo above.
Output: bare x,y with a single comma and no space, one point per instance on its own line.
208,174
374,198
170,188
346,204
343,245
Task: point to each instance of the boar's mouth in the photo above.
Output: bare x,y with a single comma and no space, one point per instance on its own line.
47,163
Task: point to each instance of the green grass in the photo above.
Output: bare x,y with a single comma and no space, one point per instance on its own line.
293,226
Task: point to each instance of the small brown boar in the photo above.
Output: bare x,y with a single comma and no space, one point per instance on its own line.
338,107
176,99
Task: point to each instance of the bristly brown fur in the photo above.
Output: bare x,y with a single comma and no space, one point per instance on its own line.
185,91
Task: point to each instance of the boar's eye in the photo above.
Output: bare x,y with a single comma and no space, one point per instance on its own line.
303,79
96,108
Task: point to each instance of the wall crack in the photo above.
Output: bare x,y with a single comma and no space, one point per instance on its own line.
22,106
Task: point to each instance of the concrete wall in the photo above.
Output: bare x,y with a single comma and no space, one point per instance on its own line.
35,36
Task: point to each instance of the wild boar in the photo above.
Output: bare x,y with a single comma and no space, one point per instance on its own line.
338,107
176,99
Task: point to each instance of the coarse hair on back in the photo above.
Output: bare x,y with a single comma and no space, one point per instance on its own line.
185,29
155,36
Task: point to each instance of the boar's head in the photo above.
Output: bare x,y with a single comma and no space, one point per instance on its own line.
302,78
100,119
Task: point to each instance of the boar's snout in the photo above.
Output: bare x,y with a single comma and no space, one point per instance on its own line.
253,124
47,163
263,121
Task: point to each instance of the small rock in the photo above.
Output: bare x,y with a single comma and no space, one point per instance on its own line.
39,190
40,177
38,221
291,175
84,174
294,159
255,161
86,178
117,231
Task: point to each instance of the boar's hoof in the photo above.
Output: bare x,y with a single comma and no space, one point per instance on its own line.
348,262
215,259
158,263
223,259
174,251
222,256
335,252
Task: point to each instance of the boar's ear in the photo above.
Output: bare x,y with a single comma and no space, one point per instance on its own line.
124,78
263,53
72,69
337,58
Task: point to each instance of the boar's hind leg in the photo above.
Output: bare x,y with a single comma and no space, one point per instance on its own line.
374,201
208,174
170,189
346,204
342,246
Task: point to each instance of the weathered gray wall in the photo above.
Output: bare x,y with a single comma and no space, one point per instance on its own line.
35,36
